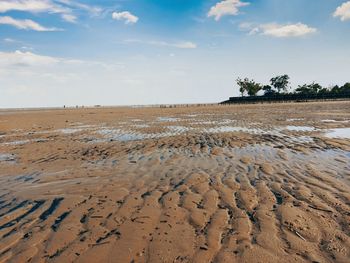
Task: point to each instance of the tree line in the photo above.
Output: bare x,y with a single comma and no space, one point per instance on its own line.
281,85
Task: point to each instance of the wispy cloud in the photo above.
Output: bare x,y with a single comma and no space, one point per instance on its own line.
18,59
62,7
343,11
11,40
25,24
181,45
69,18
24,59
226,7
125,16
278,30
93,10
34,6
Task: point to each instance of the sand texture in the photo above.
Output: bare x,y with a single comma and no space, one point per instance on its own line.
245,183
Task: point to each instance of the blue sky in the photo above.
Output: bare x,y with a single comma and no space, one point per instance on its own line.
127,52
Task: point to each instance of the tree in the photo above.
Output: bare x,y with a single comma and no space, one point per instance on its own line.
242,86
335,90
324,91
280,83
248,86
268,90
345,88
313,88
302,89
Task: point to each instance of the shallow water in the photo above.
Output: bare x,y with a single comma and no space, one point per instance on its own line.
300,128
296,119
19,142
335,121
167,119
69,130
179,129
5,157
233,129
339,133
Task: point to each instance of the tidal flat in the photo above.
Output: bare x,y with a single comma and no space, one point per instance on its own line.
234,183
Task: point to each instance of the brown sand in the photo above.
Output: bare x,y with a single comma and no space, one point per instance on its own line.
196,184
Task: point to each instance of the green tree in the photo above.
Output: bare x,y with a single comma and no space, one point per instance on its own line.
248,86
280,83
313,88
268,90
335,90
345,88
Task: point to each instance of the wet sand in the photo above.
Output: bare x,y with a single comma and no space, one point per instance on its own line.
245,183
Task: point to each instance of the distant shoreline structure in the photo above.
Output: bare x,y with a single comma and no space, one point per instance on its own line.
277,91
98,106
280,98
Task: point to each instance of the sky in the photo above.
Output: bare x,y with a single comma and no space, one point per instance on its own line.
138,52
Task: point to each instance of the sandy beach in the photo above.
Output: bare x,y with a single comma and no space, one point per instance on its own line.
239,183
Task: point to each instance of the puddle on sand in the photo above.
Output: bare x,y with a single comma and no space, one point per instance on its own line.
335,121
233,129
125,135
130,137
323,158
120,135
167,119
28,177
69,130
141,126
300,128
297,139
343,133
295,119
20,142
5,157
179,129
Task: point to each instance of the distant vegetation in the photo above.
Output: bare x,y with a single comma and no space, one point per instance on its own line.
280,85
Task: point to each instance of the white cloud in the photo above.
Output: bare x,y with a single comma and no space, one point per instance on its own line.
34,6
19,59
226,7
279,30
343,11
181,45
11,40
184,45
24,59
62,7
26,24
69,18
73,4
126,16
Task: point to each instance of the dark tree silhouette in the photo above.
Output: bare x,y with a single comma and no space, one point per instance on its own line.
313,88
280,83
268,90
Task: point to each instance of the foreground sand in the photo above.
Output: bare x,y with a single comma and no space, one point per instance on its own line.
254,183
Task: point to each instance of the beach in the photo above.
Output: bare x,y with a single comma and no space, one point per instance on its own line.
233,183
